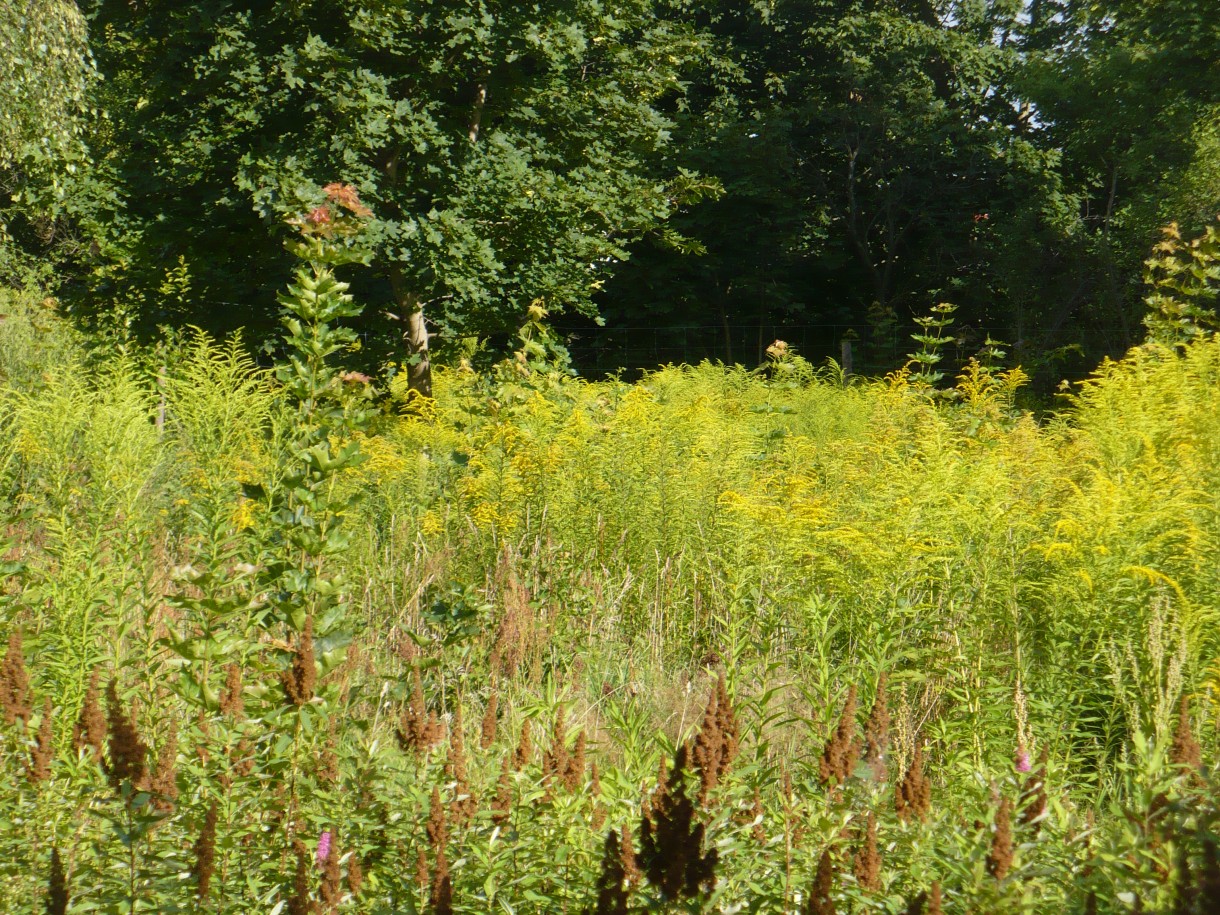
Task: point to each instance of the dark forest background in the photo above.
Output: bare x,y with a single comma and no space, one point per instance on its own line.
670,180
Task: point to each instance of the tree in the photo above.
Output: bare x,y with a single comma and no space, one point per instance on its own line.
876,159
45,71
508,151
1124,93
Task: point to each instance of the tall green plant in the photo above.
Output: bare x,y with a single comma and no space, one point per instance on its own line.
1184,277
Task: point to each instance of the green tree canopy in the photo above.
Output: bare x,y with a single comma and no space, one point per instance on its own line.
508,151
45,72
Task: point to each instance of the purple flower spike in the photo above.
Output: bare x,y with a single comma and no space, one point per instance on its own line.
323,848
1023,760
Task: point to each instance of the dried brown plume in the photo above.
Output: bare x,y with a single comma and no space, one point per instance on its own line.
866,863
877,733
465,804
1185,750
128,752
231,701
574,774
820,901
595,792
15,683
299,902
437,827
90,729
205,852
913,796
488,736
57,886
525,748
671,841
440,894
301,679
502,804
1035,794
422,877
355,874
418,729
43,751
555,760
440,897
513,635
716,743
999,859
612,890
927,903
843,749
164,783
330,890
631,865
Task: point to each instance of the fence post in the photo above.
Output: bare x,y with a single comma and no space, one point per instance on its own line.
846,360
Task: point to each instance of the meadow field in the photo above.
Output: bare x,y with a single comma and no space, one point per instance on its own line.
714,641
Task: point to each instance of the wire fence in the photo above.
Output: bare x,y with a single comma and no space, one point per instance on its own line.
603,350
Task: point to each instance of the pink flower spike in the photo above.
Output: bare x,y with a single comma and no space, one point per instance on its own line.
323,848
1023,760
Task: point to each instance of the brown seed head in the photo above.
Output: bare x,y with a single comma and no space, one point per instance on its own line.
502,804
612,889
331,888
299,902
14,683
231,701
327,766
913,796
43,751
422,876
1035,794
465,804
513,635
355,874
866,864
525,748
489,720
437,828
128,753
57,886
820,901
843,749
205,852
671,841
90,730
555,760
164,784
877,733
574,774
595,791
631,867
934,900
716,745
1186,751
418,729
927,903
302,679
440,898
999,859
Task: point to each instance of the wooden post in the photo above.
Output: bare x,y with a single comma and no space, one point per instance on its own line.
161,404
845,362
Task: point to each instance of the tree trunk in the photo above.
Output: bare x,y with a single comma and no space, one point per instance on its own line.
415,335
